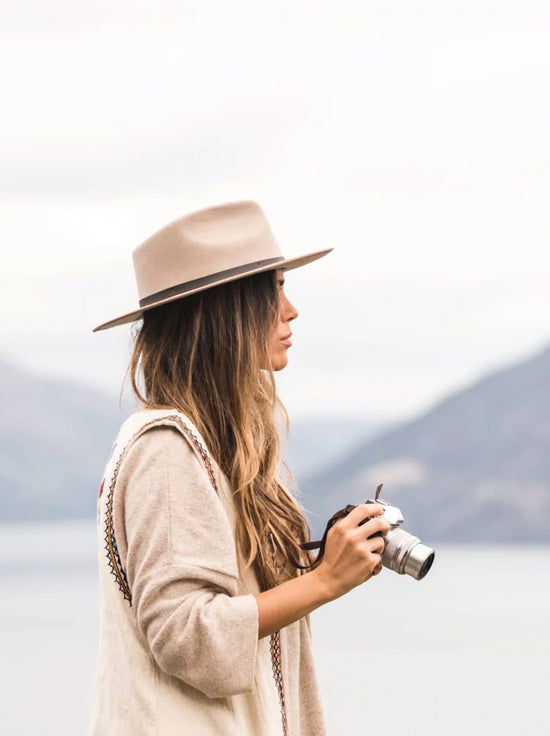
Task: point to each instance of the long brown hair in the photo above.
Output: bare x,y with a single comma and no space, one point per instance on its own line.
207,356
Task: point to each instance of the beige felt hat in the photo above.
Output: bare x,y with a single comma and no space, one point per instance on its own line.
204,249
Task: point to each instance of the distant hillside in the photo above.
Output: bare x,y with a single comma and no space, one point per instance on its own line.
54,440
55,437
313,444
474,468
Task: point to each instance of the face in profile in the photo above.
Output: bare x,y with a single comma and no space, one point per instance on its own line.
280,338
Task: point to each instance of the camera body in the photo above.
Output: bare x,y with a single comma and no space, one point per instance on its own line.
403,553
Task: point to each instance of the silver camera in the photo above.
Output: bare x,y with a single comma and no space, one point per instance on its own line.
403,553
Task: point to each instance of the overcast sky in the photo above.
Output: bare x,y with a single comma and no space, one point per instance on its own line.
411,136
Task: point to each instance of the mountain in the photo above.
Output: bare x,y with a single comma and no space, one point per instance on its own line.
475,468
324,437
55,437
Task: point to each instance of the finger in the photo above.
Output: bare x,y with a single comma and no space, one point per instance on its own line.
360,513
378,525
376,546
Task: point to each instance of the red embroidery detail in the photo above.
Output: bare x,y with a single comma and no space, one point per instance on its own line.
101,487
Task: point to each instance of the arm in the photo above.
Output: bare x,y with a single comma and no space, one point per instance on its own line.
179,554
350,559
178,550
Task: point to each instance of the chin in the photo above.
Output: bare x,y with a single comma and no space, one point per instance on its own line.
279,363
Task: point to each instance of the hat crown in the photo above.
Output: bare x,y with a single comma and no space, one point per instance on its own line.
203,244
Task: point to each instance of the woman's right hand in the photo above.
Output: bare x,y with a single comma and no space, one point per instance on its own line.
350,556
349,559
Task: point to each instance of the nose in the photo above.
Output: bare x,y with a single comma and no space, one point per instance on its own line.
288,311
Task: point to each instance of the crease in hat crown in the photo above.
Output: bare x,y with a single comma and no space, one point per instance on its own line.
202,244
203,249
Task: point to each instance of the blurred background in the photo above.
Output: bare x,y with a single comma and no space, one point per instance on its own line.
410,135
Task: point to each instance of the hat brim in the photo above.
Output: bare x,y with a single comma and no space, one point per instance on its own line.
286,265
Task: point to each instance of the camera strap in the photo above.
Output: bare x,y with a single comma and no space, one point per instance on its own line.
320,544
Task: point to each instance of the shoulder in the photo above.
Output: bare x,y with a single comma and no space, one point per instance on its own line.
161,439
161,475
159,430
144,420
165,450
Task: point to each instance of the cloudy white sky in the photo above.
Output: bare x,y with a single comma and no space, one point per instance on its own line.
411,136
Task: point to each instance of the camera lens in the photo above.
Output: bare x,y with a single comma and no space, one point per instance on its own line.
427,566
418,560
425,569
406,555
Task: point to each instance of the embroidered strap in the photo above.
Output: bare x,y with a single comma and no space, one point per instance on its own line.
113,556
275,647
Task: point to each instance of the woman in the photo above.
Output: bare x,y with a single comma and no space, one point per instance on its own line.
204,623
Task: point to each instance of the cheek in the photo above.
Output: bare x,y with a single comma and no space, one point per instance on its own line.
274,346
274,340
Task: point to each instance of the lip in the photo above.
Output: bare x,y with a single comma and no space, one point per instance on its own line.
286,340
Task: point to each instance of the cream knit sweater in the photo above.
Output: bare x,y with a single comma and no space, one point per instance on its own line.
178,642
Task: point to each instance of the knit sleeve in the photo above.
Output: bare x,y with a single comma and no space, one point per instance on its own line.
181,566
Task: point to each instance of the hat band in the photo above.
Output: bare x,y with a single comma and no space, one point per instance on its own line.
206,280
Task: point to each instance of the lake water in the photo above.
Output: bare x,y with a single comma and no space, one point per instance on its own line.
466,650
